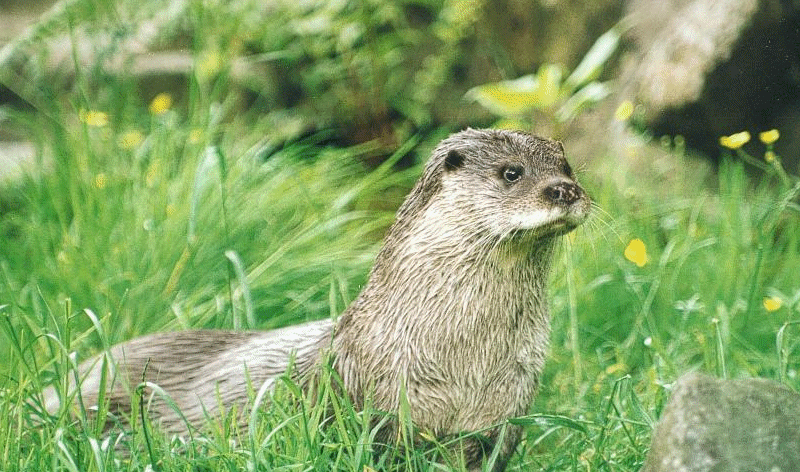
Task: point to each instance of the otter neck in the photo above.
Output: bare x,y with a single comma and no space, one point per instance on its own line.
486,278
442,290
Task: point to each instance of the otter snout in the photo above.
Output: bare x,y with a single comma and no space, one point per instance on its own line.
563,192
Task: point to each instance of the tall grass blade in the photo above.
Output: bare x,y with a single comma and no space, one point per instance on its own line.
202,177
783,353
594,60
547,420
249,321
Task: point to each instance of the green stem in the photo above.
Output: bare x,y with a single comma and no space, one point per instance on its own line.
723,370
751,297
783,354
577,360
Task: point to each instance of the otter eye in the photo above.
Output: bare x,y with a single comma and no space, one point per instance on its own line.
511,173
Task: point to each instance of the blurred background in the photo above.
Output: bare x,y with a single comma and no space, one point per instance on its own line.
234,164
381,71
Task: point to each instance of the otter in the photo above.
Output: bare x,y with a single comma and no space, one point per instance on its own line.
454,316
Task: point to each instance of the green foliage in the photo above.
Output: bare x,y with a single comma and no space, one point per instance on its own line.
547,94
369,69
715,257
364,67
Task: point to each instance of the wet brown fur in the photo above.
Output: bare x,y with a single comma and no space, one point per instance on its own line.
454,314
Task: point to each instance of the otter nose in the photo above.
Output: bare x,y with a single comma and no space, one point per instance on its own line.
563,192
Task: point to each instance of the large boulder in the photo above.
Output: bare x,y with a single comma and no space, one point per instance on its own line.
727,425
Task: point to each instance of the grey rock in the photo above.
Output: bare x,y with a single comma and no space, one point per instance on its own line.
678,42
727,425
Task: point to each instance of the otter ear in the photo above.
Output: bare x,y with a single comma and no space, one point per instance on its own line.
453,161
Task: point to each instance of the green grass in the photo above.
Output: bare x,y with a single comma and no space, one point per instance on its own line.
217,215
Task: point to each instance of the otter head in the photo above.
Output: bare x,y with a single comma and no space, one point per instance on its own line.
500,185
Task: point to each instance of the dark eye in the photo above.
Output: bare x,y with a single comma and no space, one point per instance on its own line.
511,173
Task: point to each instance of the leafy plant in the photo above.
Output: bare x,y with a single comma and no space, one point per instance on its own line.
368,67
547,94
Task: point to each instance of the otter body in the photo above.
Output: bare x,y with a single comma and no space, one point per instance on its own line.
454,313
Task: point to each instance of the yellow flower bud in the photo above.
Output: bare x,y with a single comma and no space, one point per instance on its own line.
208,64
772,303
624,111
100,181
735,141
94,118
196,136
161,103
131,139
636,252
769,137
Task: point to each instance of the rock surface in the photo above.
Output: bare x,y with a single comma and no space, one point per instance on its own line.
677,44
709,68
727,425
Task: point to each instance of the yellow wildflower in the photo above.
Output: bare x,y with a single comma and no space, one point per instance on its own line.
94,118
636,252
195,136
624,111
131,139
769,137
735,141
208,64
161,103
100,181
772,303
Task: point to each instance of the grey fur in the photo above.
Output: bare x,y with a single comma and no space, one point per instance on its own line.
454,314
